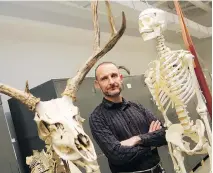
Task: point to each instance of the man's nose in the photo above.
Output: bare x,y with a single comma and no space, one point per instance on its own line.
111,81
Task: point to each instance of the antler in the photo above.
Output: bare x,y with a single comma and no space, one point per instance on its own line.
74,83
124,68
25,97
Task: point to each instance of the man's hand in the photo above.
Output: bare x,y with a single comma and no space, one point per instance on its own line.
131,141
155,125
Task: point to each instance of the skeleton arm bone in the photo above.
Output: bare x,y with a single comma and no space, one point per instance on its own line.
201,107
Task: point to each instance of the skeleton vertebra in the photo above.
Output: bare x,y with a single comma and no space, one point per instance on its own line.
172,81
48,162
58,121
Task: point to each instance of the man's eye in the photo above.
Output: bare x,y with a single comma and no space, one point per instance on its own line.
114,75
103,79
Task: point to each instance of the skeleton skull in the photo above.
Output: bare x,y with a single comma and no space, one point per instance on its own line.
59,124
151,23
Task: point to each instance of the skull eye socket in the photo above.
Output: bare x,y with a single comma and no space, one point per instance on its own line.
45,124
141,25
44,128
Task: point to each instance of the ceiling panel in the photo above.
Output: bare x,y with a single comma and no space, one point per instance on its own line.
191,11
78,13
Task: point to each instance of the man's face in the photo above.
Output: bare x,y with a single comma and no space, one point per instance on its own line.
109,80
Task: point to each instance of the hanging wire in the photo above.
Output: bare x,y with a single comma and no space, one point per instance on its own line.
147,4
133,5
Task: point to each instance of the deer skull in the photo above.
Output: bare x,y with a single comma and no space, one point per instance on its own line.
60,125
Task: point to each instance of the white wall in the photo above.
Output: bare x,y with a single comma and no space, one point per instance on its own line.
204,50
39,52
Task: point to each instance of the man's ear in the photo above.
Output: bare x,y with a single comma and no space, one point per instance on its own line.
121,77
96,85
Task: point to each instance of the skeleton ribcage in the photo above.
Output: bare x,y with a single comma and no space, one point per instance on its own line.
169,81
178,77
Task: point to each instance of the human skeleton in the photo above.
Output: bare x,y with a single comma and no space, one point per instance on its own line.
172,81
58,120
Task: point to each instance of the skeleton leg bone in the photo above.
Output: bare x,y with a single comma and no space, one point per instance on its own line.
180,159
209,150
176,167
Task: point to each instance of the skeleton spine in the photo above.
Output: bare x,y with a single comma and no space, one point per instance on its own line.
183,117
162,49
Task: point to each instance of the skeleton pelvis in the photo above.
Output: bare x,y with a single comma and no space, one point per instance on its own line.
175,134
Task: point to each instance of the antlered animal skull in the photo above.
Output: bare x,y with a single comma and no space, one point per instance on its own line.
58,120
60,125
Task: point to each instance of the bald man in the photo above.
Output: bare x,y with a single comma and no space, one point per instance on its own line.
125,131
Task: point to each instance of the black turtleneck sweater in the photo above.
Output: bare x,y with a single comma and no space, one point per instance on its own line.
111,123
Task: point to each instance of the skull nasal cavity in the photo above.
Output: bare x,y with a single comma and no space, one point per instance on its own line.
83,139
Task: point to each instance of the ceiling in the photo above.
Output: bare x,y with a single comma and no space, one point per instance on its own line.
198,11
78,13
